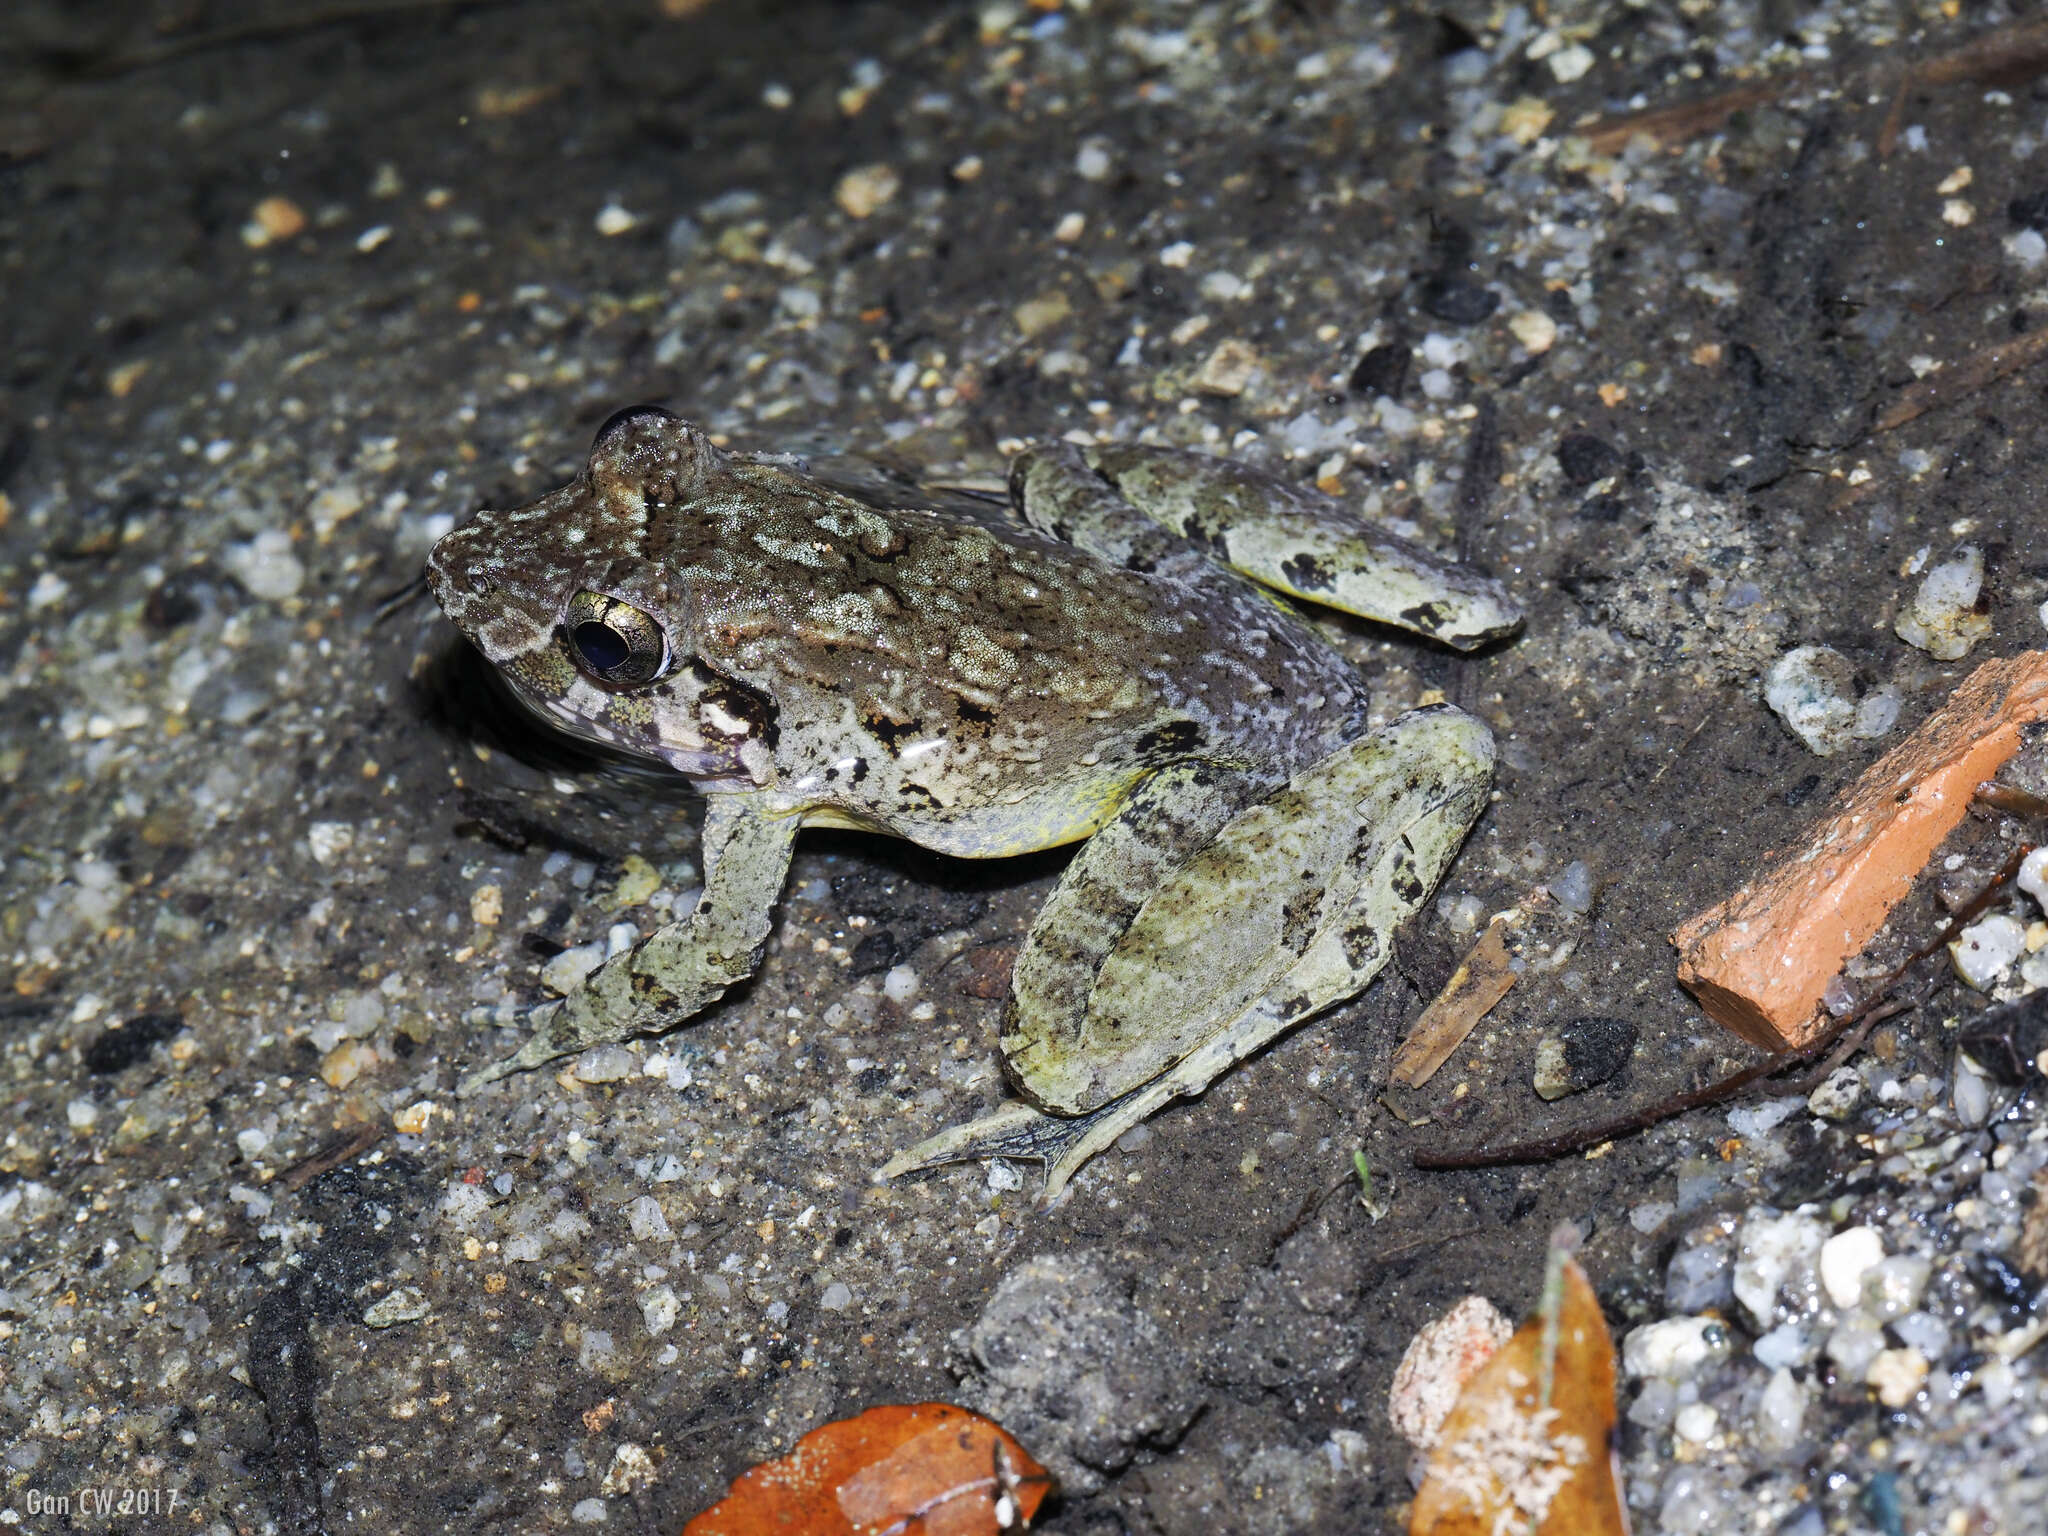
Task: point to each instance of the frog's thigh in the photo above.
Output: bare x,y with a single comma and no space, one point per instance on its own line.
1164,823
1289,909
1307,544
685,965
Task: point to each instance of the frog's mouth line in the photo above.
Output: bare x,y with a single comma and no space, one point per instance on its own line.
707,768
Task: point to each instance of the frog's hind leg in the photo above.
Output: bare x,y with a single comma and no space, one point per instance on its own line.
1306,544
1053,489
1290,909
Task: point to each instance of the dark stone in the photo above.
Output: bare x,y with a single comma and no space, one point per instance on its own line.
2008,1040
123,1045
1603,509
1595,1048
1458,300
1383,370
1802,792
877,952
1585,458
2029,212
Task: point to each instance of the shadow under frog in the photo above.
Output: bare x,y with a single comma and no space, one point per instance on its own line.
1114,666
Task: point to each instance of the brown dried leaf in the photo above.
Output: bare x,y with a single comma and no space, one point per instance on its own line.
1481,980
1513,1457
926,1469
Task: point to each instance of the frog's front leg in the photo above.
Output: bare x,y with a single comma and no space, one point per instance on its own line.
685,965
1289,909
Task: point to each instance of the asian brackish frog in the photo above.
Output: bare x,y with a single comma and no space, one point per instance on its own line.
1109,667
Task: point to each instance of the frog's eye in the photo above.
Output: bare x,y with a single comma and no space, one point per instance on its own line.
613,641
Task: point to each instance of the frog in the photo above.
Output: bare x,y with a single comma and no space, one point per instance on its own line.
1121,660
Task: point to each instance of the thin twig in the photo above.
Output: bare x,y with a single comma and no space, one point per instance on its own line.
2005,55
271,30
328,1158
1952,383
1881,1006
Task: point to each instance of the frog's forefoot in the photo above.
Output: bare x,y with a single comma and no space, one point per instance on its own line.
1062,1143
541,1047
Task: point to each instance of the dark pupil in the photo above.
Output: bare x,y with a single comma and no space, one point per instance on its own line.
603,647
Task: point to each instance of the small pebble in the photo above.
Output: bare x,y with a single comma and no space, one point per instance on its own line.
1972,1097
614,220
659,1309
1853,1346
646,1220
1038,315
836,1297
605,1064
1895,1375
266,566
1781,1413
1895,1286
1439,1360
867,189
1534,329
1811,688
1583,1054
1573,887
1942,619
1986,950
1459,301
1697,1422
1571,62
1786,1345
1228,370
327,841
1845,1259
2033,877
1838,1096
566,971
1771,1250
403,1305
414,1119
273,219
1674,1349
347,1062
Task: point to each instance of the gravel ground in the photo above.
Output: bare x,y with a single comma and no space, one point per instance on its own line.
282,303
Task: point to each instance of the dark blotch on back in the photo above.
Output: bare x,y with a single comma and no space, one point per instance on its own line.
1176,739
890,733
1305,573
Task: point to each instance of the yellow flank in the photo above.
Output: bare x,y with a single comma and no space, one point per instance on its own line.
1050,819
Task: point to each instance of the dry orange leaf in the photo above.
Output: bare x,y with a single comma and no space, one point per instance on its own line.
1481,980
1526,1452
926,1469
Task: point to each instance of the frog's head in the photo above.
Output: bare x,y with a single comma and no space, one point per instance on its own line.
562,598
